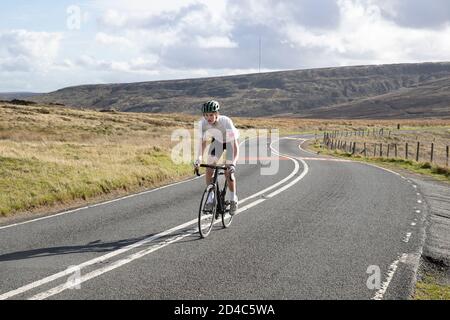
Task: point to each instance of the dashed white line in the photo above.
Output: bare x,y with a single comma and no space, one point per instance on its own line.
407,237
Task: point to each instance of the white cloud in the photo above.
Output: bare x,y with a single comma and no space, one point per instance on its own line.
365,36
215,42
26,50
146,65
107,39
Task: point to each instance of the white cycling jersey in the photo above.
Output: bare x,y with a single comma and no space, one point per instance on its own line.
224,132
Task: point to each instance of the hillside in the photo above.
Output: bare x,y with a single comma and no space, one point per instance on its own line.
426,100
301,93
16,95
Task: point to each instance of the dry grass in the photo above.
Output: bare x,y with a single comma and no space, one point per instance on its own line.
52,155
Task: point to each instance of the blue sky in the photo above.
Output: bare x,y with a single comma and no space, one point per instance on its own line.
137,40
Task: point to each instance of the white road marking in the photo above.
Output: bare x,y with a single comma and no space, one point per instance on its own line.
413,224
132,257
392,268
293,173
419,201
303,174
407,237
301,148
323,159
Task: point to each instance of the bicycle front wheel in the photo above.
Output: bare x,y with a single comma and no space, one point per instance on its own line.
207,211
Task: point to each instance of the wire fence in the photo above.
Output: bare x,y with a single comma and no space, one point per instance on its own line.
419,151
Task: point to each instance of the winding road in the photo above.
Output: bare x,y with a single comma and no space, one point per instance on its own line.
319,228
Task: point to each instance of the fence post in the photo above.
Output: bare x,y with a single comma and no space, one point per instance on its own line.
374,149
406,151
395,147
354,147
418,151
389,147
381,150
365,150
446,163
432,152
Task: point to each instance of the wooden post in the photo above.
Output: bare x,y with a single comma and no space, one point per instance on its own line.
381,150
406,151
418,151
365,150
432,152
446,163
374,149
395,147
389,147
354,147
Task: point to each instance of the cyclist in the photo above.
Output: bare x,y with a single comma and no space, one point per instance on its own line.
224,136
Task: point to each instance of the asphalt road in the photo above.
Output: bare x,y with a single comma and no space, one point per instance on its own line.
321,230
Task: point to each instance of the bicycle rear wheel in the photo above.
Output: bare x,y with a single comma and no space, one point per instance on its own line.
206,216
226,217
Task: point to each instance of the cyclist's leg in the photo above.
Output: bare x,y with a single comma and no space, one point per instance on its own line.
229,160
231,183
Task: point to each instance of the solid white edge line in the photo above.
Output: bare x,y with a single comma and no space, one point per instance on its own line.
390,275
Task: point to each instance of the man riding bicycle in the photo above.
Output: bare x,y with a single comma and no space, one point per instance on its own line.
224,137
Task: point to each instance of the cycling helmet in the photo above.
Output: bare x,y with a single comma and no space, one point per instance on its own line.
211,106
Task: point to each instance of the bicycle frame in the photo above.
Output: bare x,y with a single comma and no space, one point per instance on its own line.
218,170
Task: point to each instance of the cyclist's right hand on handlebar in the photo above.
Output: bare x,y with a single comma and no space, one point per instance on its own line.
197,163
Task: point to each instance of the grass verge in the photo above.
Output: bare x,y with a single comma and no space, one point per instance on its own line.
429,289
438,172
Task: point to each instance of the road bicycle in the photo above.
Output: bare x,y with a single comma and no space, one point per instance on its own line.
217,206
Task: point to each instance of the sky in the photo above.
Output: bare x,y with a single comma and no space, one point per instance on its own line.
47,45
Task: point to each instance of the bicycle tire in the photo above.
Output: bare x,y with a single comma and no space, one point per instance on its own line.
205,219
227,218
